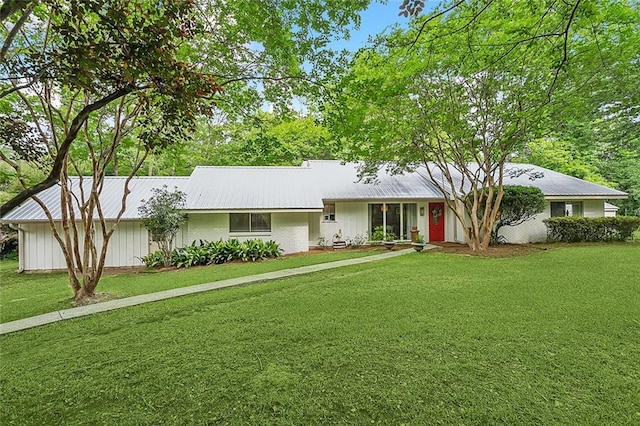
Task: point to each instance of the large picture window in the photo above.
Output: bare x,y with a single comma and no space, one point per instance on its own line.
394,218
249,222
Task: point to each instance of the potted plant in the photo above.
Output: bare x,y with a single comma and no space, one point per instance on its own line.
338,242
418,244
389,240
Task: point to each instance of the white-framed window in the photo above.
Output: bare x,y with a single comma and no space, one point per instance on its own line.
396,219
249,222
329,212
562,208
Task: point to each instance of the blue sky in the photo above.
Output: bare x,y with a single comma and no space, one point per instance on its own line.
377,18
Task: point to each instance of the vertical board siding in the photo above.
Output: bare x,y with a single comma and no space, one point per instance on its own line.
314,228
42,252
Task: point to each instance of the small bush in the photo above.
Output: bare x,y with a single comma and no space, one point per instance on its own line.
8,243
153,259
357,241
216,252
378,233
578,229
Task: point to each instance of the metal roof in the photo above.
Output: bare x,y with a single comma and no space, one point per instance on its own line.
237,188
337,181
297,188
555,184
111,197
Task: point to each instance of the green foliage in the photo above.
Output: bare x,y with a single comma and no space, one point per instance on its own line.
357,241
161,215
471,86
8,242
259,139
378,233
518,205
36,294
216,252
577,229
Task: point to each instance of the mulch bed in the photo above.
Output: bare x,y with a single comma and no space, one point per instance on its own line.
501,250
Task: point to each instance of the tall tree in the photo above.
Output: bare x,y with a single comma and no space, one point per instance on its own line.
65,61
463,89
104,50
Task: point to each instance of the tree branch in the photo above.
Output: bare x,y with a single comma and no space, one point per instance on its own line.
61,155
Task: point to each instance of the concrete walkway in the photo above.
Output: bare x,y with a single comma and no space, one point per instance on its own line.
23,324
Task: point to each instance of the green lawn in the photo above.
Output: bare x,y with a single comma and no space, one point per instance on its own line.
25,295
430,338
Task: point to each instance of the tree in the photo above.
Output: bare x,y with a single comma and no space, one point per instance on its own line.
262,139
519,204
462,90
155,67
161,215
100,51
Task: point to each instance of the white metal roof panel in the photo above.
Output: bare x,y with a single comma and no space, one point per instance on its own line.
341,182
241,188
111,198
228,188
555,184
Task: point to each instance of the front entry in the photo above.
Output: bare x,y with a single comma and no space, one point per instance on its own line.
436,222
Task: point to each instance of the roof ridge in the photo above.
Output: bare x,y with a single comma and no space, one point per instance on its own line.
251,167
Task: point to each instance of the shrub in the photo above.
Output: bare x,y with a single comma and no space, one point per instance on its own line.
357,241
8,242
577,229
153,259
215,252
378,233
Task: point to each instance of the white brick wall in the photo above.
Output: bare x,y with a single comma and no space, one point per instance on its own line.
289,230
535,231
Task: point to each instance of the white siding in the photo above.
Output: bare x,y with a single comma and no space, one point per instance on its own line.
314,228
531,231
41,251
291,231
593,208
535,231
352,218
208,226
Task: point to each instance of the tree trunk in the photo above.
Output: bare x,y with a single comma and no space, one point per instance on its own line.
84,293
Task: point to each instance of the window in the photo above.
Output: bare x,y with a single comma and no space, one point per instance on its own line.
559,209
329,212
249,222
394,218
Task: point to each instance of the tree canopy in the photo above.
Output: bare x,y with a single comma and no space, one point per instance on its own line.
469,85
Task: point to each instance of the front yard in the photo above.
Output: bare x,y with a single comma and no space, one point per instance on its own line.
25,295
431,338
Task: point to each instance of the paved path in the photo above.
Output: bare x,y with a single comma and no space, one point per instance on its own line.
23,324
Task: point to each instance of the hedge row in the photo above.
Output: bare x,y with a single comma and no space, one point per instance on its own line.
216,252
575,229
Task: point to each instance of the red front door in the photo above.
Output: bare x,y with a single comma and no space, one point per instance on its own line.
436,221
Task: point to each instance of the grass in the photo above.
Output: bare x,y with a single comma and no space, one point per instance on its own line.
430,338
25,295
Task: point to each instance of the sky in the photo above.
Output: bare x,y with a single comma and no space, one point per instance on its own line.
376,19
